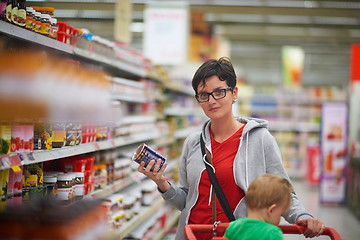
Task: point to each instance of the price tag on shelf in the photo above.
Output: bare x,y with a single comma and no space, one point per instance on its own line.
97,146
113,143
16,168
30,156
15,160
5,160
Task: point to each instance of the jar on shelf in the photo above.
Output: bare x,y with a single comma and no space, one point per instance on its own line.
45,24
128,206
148,191
50,185
64,187
37,23
53,28
79,185
29,18
100,176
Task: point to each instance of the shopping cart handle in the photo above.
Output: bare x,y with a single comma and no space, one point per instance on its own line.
297,229
189,230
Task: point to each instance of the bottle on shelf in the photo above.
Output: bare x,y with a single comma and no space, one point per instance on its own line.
14,11
21,13
29,18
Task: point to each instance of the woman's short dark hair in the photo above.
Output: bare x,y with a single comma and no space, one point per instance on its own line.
221,68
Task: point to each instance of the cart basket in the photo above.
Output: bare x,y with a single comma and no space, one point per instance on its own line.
220,230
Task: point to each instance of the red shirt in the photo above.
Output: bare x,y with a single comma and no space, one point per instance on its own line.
223,155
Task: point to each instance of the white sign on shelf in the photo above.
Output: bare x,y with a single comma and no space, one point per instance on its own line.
166,32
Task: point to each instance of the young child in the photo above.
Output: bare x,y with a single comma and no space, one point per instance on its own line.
267,198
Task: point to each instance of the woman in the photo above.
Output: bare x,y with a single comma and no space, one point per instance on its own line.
242,149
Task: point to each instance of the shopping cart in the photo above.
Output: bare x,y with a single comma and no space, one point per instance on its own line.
221,227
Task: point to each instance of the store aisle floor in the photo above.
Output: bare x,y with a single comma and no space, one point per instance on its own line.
337,217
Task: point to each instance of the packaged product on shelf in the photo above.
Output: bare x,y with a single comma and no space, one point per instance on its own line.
149,193
100,176
64,186
53,28
14,10
22,138
71,134
106,157
29,18
122,168
48,10
37,22
5,139
45,24
4,178
115,211
101,132
89,174
136,193
32,180
21,14
79,185
50,184
128,206
73,164
59,135
14,189
3,10
43,136
9,6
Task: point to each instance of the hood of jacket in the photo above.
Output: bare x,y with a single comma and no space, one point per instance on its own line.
250,122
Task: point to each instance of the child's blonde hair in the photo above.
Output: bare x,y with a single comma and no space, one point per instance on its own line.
267,190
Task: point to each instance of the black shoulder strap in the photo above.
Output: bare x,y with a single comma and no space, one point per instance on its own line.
218,190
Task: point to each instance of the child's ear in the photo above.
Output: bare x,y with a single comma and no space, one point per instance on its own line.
271,208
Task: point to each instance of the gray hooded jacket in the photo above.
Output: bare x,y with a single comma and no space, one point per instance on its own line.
258,154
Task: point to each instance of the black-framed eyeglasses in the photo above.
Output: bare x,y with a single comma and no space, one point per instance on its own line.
217,94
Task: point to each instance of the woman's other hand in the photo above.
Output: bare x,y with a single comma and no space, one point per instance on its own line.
314,227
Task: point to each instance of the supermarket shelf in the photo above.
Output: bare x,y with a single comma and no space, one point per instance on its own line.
137,119
179,89
179,111
182,133
115,187
24,34
129,98
126,67
29,36
171,222
7,161
164,141
294,126
145,212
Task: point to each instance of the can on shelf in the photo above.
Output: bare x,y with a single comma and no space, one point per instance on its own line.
146,154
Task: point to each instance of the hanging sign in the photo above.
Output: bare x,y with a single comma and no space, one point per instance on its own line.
293,64
166,32
355,63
